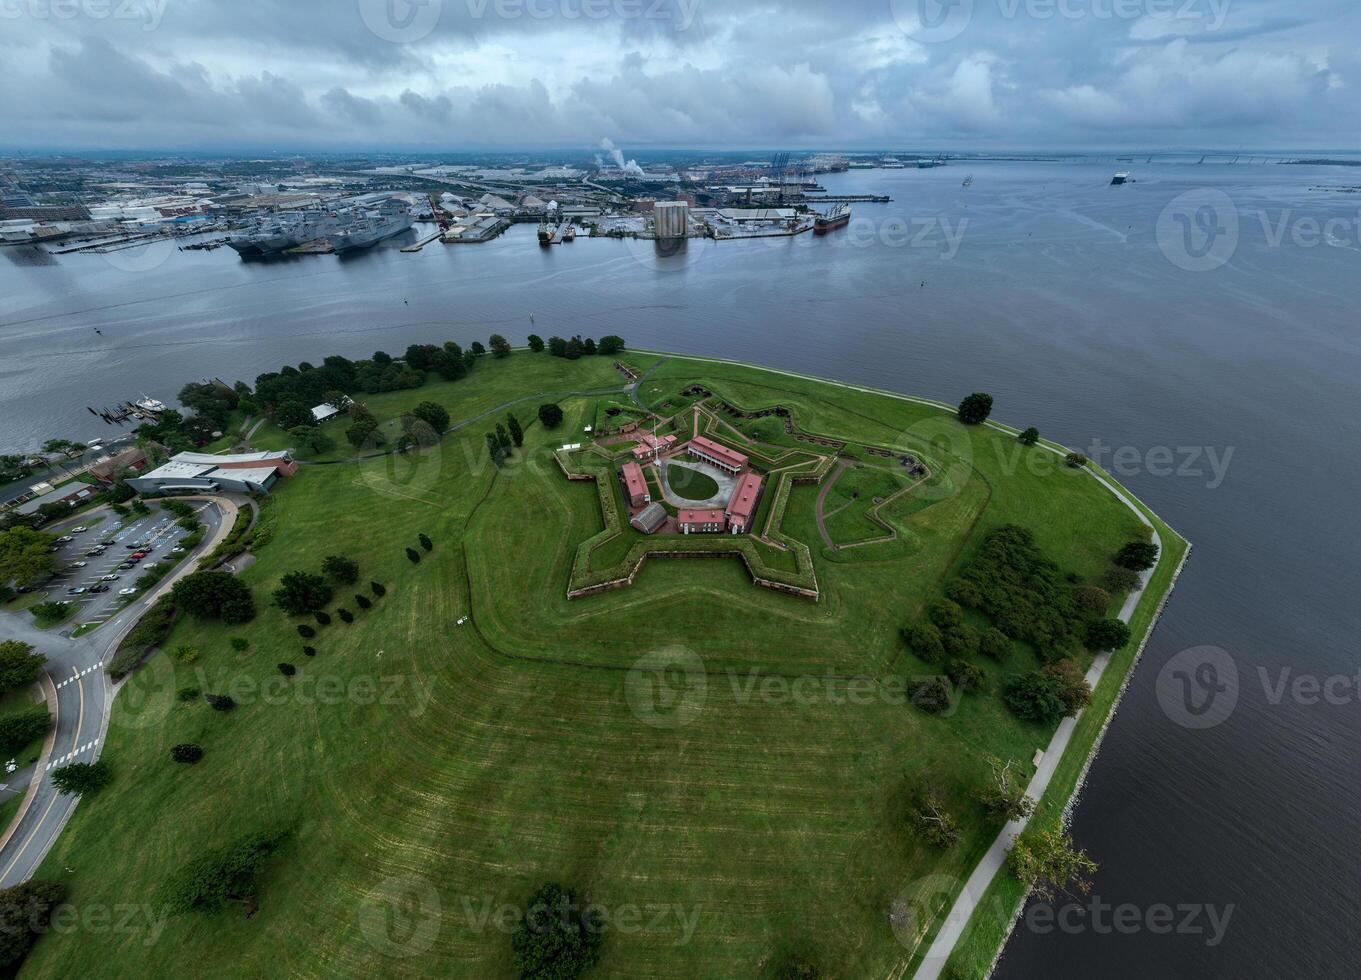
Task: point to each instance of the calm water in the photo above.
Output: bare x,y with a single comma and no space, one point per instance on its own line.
1059,299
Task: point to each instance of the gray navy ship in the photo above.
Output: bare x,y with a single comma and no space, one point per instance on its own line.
361,228
344,229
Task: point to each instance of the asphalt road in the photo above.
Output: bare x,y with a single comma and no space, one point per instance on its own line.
75,667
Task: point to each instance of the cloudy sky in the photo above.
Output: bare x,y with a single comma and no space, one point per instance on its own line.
455,74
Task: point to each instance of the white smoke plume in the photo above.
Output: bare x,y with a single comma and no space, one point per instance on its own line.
630,167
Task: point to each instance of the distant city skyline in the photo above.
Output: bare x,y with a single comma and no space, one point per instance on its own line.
449,75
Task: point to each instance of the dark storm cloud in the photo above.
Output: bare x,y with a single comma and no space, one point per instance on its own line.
453,73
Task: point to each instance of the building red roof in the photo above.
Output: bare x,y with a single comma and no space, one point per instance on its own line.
720,452
634,480
650,444
742,505
700,517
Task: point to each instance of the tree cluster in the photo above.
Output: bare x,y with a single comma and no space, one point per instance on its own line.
559,936
215,595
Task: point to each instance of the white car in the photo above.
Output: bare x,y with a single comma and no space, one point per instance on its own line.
79,564
108,578
177,551
127,591
64,538
79,530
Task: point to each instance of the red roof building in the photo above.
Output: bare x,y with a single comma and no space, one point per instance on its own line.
729,460
651,446
635,485
701,521
743,503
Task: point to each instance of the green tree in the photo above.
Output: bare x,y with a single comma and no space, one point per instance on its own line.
186,752
340,568
1003,792
924,639
227,874
312,439
517,434
535,343
966,676
292,413
433,415
64,447
500,347
25,913
25,555
610,344
550,415
477,350
363,433
14,467
503,437
21,727
932,695
1048,862
1107,634
994,644
574,349
1092,599
1036,696
559,936
19,665
1030,436
1076,460
494,449
588,347
215,595
930,818
82,778
302,592
1137,556
557,346
975,409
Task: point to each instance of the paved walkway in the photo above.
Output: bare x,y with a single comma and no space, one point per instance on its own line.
725,482
995,858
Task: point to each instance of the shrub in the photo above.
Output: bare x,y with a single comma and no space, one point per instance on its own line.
213,878
426,543
961,641
81,778
929,818
964,592
19,664
924,639
309,651
1092,599
559,935
220,702
945,613
378,589
345,615
25,914
931,695
305,631
975,409
1138,555
186,752
22,727
288,670
150,631
994,644
1030,436
1076,460
1118,580
966,676
323,619
1074,690
413,555
188,694
341,569
239,643
1035,696
363,601
186,654
1107,634
550,415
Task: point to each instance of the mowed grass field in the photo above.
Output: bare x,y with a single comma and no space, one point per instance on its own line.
433,775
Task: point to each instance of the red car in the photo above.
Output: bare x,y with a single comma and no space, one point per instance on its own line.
137,556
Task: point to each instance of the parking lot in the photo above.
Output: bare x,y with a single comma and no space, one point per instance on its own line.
156,533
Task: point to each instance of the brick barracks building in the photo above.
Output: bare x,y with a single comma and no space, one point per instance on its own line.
635,485
715,454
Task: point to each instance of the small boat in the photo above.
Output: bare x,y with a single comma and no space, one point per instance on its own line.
1120,178
150,405
968,181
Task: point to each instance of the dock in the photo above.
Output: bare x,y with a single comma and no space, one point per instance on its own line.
318,247
856,198
417,246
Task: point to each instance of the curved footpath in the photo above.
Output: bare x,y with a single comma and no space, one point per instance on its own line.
81,696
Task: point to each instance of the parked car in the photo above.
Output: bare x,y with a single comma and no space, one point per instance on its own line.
137,555
79,564
79,530
177,550
64,539
99,588
78,590
125,566
127,591
109,578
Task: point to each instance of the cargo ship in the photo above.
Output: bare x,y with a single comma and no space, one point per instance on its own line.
838,217
545,233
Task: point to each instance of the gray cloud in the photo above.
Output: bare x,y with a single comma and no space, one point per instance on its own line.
299,74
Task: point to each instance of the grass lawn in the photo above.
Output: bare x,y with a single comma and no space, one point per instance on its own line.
433,774
691,484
